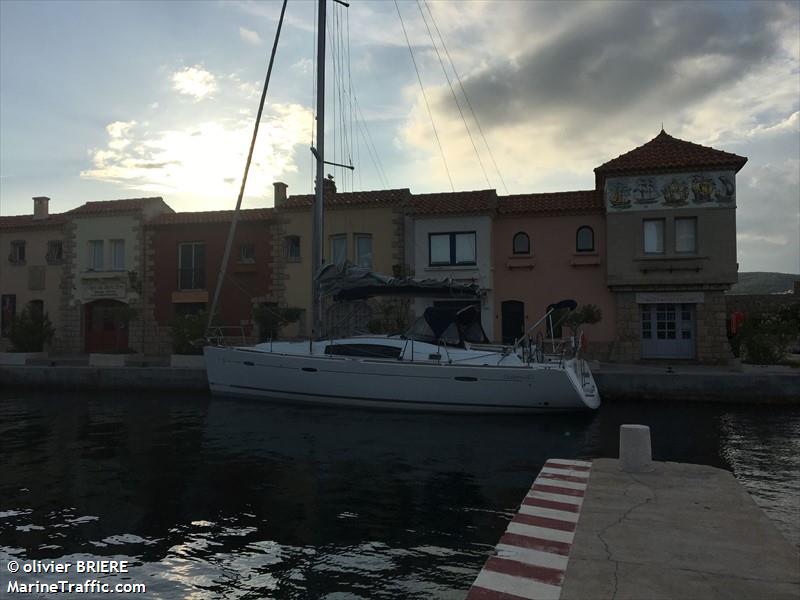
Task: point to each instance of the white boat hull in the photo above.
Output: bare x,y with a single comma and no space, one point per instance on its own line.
398,384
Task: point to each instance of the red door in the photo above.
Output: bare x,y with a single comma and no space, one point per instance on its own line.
105,330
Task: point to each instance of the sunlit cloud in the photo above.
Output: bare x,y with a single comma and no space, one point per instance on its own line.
249,36
205,160
195,82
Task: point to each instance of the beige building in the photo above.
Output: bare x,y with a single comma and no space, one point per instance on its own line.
366,228
31,266
104,268
671,248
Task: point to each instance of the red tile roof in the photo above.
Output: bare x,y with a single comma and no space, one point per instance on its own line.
115,206
665,152
582,201
210,216
446,203
351,199
28,222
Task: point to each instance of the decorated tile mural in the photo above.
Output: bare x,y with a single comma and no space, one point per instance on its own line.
674,190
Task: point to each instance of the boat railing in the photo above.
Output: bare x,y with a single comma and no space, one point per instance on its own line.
226,335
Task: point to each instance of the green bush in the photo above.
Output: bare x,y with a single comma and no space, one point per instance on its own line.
30,331
764,338
587,314
189,332
271,319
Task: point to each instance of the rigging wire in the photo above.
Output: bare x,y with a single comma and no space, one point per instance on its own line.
371,143
425,97
235,217
463,91
453,92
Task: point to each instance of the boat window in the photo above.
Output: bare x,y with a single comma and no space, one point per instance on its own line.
473,333
584,239
363,350
450,335
421,331
522,243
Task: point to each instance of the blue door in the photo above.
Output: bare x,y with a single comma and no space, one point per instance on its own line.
668,330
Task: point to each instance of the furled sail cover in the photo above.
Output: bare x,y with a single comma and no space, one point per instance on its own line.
347,281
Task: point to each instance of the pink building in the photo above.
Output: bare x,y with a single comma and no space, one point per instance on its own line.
550,247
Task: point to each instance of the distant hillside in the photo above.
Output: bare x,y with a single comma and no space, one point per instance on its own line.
764,283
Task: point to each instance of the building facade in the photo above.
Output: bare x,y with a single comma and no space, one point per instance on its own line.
104,271
366,228
31,266
671,230
184,257
452,239
548,248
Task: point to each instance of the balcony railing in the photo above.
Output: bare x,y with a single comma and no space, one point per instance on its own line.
191,279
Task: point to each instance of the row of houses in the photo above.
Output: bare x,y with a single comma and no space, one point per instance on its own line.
653,245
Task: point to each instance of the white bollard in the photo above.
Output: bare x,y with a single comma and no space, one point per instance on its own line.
635,454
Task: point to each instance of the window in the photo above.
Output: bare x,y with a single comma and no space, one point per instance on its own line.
364,250
192,266
247,253
36,308
584,239
292,248
363,350
653,236
117,255
686,235
17,255
522,243
452,248
55,252
8,310
338,249
95,255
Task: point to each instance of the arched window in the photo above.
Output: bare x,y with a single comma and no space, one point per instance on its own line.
584,239
522,243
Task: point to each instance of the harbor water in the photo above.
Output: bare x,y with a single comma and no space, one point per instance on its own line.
216,498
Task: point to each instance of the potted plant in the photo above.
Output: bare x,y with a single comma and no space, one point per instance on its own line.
188,337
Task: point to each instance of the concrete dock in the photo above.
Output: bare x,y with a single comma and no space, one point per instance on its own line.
677,531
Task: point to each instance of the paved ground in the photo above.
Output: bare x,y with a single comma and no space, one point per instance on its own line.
680,531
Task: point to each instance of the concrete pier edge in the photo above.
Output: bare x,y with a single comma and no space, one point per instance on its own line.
676,531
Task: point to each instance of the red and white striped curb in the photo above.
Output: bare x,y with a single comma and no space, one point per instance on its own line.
531,558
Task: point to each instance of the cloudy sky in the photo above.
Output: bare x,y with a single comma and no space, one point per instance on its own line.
104,100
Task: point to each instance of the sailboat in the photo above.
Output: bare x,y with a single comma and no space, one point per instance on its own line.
444,362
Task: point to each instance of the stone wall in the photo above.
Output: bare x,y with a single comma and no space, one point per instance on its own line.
626,346
711,334
70,337
156,339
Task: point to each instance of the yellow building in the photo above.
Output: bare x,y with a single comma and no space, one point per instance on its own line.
366,228
31,265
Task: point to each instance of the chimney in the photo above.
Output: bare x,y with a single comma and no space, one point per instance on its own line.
40,207
328,186
280,193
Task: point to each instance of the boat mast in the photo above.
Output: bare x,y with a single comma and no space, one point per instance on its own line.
317,229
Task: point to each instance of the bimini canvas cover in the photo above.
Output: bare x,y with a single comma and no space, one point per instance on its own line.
347,281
